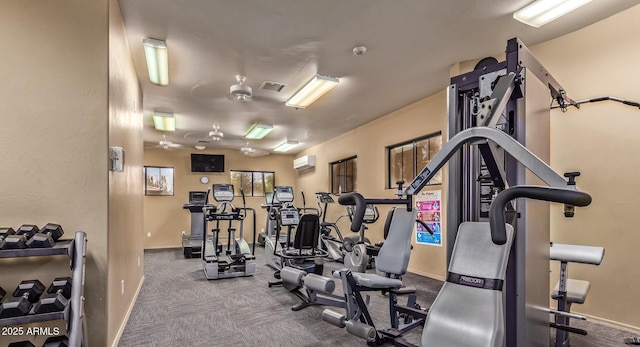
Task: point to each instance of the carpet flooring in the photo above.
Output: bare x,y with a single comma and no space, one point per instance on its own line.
178,306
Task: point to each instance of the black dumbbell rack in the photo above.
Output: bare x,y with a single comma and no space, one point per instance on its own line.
73,314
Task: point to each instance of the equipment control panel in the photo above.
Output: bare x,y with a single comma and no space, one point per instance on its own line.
223,192
289,216
324,198
284,193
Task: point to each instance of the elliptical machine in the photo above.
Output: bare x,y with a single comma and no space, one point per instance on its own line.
282,200
234,260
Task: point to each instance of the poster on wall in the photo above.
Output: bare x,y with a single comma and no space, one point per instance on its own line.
428,205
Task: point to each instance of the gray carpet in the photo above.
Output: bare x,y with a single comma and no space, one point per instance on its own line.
177,306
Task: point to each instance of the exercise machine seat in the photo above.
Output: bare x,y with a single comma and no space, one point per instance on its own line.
468,311
394,254
577,291
576,253
376,281
307,232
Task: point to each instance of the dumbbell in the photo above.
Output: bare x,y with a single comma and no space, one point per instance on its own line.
57,297
19,239
46,237
56,341
23,298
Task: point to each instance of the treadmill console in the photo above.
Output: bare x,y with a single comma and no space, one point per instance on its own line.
197,198
324,198
283,193
223,192
289,216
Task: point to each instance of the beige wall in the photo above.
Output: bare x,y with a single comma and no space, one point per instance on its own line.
164,216
600,140
368,142
125,253
53,138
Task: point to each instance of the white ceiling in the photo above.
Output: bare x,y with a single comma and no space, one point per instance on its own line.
410,46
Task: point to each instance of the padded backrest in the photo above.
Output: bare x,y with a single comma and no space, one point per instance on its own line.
466,313
396,250
387,222
307,232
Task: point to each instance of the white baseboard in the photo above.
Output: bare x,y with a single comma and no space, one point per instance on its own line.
126,317
610,323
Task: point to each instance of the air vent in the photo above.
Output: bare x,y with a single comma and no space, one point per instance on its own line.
203,141
272,86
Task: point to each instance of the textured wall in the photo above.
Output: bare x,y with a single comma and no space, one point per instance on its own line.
53,139
164,216
125,188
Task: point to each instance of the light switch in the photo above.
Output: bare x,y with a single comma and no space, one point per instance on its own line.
116,158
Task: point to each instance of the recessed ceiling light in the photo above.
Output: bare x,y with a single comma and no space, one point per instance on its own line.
286,146
259,131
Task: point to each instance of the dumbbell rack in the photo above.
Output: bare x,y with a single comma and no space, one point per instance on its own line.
73,314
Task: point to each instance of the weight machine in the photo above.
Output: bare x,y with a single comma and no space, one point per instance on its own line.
503,108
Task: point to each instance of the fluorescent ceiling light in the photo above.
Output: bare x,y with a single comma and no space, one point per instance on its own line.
157,61
286,146
258,131
164,121
312,91
541,12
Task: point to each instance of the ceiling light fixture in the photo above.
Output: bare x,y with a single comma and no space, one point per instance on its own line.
200,148
286,146
541,12
258,131
312,91
164,121
157,61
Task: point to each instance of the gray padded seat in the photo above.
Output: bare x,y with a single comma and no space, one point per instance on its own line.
394,254
576,253
464,315
376,281
577,291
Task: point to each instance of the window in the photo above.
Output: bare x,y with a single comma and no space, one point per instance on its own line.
408,158
253,183
343,175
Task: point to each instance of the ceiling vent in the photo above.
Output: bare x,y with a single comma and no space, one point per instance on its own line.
272,86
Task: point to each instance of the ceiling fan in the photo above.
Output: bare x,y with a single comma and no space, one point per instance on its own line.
166,144
241,91
252,152
216,134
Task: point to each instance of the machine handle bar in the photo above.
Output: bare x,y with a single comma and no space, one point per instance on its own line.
496,212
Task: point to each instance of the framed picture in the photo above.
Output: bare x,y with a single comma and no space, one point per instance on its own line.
158,181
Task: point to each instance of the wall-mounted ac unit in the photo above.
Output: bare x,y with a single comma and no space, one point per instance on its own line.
308,161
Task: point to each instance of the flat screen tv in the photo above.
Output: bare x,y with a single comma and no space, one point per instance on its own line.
207,162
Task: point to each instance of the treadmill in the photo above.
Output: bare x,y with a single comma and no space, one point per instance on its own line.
192,243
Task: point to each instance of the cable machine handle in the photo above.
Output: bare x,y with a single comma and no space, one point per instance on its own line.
496,212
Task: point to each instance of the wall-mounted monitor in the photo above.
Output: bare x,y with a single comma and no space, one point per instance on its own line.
207,162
